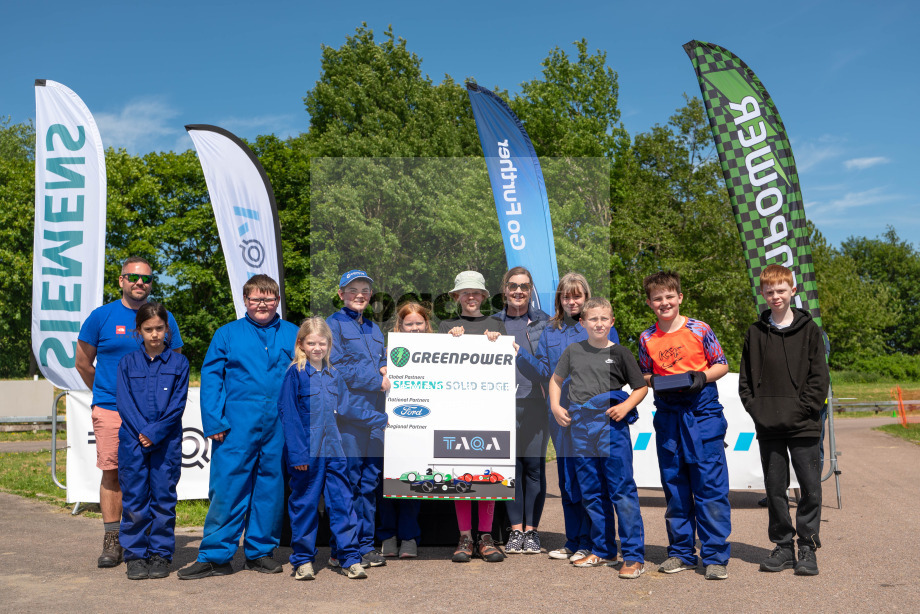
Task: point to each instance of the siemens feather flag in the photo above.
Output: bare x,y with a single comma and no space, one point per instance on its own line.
69,245
519,192
244,206
759,170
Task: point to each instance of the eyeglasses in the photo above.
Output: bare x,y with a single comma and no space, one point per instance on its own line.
267,301
353,292
133,277
525,287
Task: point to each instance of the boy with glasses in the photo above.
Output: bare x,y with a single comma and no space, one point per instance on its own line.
240,383
106,336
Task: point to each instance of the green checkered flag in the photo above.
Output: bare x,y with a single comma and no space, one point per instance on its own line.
759,170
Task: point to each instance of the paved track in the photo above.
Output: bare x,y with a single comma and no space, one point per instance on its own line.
869,562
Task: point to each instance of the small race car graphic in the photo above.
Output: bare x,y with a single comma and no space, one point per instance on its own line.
434,481
486,476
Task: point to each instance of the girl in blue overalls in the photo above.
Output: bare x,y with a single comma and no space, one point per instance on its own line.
562,330
312,395
151,392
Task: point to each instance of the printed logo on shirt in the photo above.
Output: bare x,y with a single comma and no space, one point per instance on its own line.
671,356
399,356
609,361
120,330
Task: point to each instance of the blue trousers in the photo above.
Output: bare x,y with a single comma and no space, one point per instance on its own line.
324,476
364,464
148,492
398,518
247,495
603,465
696,493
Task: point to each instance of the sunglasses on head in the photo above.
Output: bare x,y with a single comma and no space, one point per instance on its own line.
133,277
525,287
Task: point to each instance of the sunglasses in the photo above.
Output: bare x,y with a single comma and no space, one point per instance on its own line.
525,287
133,277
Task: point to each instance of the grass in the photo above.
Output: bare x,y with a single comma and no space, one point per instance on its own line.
30,436
28,474
865,392
911,433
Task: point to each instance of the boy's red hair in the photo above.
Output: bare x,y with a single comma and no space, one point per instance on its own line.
776,274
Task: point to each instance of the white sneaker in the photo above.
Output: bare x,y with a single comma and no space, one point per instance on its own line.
580,554
356,572
305,572
560,553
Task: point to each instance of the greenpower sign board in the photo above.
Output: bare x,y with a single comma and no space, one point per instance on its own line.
759,170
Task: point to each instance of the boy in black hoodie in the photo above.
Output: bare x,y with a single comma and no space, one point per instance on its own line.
783,385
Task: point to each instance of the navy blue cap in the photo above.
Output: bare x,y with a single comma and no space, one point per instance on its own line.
352,275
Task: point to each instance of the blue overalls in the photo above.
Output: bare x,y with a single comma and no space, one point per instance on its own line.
604,468
690,440
358,355
552,344
307,406
240,380
150,397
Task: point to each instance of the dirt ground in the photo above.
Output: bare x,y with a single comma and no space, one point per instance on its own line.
868,562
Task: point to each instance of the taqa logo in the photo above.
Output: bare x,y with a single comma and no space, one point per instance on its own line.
120,330
399,356
195,447
472,444
411,411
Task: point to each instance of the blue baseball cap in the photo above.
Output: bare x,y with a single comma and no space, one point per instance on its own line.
352,275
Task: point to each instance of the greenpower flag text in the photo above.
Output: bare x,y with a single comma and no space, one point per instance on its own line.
759,170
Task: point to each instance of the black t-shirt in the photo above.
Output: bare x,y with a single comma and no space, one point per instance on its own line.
473,326
595,371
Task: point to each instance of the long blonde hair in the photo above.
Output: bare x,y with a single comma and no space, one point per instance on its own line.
315,325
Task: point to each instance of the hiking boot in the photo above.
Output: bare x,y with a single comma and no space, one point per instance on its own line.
674,565
464,551
716,572
264,564
579,554
408,549
807,564
355,572
487,550
202,569
373,559
138,570
158,567
532,542
561,554
112,552
632,570
781,558
388,547
305,572
592,560
515,543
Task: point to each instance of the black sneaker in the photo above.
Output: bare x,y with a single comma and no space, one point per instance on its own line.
373,559
781,558
264,564
531,542
138,570
112,552
201,569
807,564
515,543
158,566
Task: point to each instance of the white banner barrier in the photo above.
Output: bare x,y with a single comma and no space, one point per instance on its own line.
83,476
742,451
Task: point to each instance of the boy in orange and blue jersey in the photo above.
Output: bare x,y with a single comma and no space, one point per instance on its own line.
689,430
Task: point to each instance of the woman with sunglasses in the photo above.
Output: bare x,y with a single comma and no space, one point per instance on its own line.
526,323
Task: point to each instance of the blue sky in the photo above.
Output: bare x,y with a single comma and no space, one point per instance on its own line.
843,73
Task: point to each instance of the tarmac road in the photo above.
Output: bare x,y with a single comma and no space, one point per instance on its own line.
869,562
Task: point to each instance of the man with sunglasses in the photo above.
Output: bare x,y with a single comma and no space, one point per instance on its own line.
105,337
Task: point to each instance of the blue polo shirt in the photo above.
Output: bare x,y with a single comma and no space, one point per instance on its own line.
110,329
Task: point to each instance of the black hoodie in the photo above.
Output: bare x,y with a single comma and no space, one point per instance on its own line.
784,379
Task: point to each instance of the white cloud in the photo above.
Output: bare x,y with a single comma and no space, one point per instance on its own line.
138,125
829,210
809,154
280,125
864,163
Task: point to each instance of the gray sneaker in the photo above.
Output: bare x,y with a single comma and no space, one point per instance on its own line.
531,542
716,572
408,549
674,565
388,547
372,559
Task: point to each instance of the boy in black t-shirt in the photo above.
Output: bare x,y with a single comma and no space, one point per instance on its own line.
600,414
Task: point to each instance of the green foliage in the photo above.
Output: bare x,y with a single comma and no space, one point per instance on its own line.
911,433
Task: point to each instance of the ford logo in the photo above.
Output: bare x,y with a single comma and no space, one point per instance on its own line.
411,411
